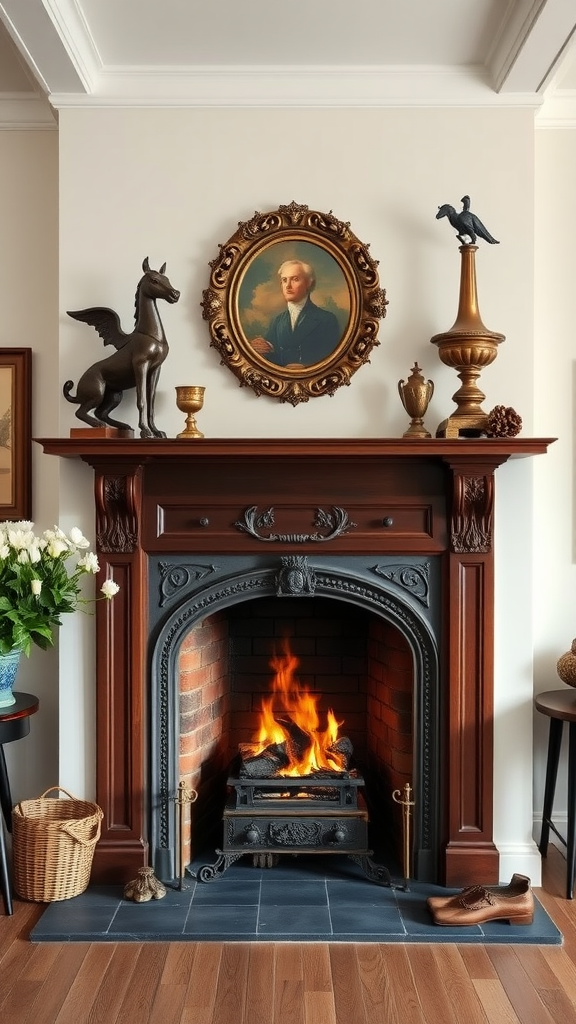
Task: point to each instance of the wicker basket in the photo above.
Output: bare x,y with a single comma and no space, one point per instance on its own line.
53,846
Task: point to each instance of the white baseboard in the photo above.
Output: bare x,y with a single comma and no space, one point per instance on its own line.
561,823
523,858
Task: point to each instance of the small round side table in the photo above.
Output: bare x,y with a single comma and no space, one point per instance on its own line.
560,707
14,725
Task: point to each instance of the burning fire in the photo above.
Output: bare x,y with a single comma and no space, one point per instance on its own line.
290,717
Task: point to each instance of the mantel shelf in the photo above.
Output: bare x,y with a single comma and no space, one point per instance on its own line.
495,450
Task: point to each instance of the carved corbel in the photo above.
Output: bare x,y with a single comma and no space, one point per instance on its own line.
472,510
117,512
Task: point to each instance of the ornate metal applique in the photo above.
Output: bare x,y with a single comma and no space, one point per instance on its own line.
337,522
174,577
413,578
295,833
295,578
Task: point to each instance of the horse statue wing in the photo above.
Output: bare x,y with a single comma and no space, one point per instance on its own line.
105,321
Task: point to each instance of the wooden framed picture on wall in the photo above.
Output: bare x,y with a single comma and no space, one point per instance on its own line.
294,303
15,433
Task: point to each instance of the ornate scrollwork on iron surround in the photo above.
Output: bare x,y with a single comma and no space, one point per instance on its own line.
414,579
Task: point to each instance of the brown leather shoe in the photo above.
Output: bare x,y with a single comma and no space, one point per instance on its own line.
481,905
515,887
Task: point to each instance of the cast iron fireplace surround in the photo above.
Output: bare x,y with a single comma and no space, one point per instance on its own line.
336,511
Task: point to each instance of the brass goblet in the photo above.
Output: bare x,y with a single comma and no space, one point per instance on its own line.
190,400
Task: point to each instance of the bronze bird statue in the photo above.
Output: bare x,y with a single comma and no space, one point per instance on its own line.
468,226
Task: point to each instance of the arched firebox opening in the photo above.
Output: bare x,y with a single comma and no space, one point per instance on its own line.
365,639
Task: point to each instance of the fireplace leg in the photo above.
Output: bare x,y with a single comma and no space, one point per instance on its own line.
211,872
375,872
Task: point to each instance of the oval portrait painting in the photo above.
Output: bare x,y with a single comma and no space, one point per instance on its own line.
294,304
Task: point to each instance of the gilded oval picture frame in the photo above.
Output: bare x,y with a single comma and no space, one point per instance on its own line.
294,303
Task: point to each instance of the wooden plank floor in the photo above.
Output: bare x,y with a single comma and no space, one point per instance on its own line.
288,983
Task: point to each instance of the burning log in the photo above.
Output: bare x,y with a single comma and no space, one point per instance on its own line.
263,765
344,749
297,741
291,741
275,758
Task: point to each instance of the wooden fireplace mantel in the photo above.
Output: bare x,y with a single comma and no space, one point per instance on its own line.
430,496
497,450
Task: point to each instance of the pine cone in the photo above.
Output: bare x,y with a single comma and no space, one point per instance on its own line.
503,421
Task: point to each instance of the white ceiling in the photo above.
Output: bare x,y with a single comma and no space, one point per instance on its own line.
308,52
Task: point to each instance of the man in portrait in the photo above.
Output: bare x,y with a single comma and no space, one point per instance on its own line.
303,333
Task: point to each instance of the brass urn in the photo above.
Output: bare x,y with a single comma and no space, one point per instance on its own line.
415,394
468,347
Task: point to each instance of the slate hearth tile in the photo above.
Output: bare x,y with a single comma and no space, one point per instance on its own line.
294,921
151,918
543,926
221,922
98,896
366,920
416,916
419,924
61,922
304,868
352,893
227,892
311,893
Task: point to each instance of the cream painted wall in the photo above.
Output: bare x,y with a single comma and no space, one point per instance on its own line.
555,370
29,319
173,184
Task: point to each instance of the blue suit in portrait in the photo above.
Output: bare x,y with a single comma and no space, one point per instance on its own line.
315,335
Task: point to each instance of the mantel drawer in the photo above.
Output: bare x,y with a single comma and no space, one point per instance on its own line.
228,527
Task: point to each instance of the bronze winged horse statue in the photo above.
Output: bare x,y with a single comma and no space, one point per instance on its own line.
136,363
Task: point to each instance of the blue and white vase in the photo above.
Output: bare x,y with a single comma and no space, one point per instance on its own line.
8,669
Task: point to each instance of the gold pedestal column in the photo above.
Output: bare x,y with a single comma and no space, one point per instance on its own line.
468,347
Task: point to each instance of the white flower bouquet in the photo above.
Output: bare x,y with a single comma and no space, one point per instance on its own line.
38,585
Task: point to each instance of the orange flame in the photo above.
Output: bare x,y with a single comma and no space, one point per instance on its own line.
291,701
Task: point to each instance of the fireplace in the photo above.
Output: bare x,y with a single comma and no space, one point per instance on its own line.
364,637
399,531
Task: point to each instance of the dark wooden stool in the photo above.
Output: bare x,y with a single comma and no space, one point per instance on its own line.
14,724
560,706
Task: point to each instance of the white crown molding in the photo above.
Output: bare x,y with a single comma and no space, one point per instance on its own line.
25,112
558,110
531,45
515,27
55,42
72,27
293,86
